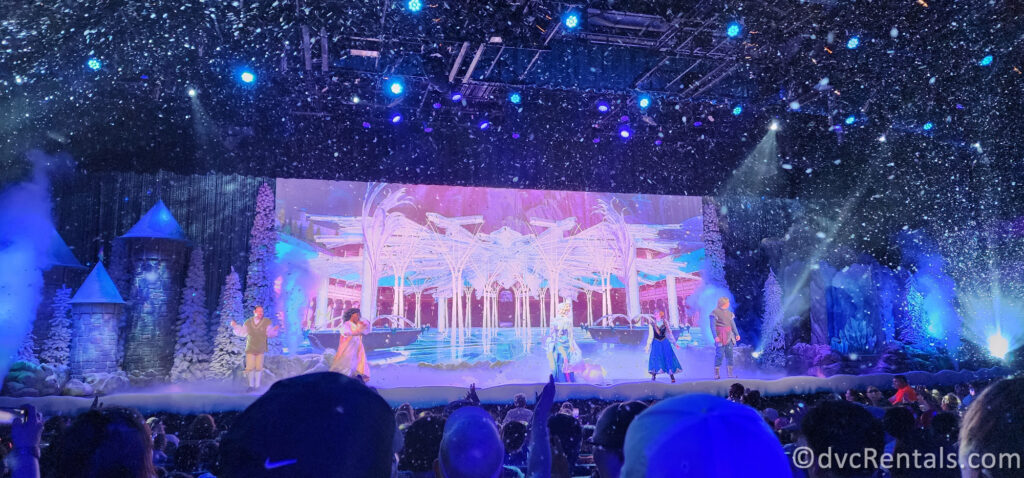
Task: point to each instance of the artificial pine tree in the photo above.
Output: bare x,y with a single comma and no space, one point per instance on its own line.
774,337
915,325
26,352
258,290
228,348
713,249
191,352
57,346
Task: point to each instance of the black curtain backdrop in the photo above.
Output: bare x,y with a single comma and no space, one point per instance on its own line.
215,210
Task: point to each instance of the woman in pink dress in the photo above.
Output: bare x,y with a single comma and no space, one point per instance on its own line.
351,356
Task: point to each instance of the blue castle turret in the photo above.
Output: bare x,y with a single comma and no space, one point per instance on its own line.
96,311
157,255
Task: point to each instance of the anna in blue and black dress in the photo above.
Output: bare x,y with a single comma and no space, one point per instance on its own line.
660,341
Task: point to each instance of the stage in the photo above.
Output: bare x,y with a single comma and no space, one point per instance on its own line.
208,399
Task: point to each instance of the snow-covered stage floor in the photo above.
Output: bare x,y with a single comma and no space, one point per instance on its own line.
186,401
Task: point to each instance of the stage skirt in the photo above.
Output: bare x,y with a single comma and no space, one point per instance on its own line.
562,372
663,358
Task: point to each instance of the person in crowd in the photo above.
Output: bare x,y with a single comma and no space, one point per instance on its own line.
854,396
422,445
26,435
736,392
660,356
753,400
610,436
402,419
106,442
875,397
723,329
950,403
202,427
723,439
928,406
972,393
350,359
519,412
407,408
992,425
563,353
314,425
513,435
256,330
567,432
470,447
904,392
471,400
159,445
944,430
842,428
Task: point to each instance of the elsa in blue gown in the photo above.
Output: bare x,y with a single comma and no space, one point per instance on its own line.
660,341
563,353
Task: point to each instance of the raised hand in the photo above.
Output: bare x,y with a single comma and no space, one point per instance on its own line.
27,430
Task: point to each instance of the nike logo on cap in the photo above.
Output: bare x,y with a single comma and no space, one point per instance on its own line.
278,464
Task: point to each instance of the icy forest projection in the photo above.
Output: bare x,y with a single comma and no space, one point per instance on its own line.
467,261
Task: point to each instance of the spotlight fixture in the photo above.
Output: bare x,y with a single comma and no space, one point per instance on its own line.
414,5
192,92
571,20
774,126
247,76
881,139
928,126
986,61
851,119
395,87
356,99
602,106
396,118
485,124
515,98
625,132
853,42
644,101
456,97
94,64
733,30
736,111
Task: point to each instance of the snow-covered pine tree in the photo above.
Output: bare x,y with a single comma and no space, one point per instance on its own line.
228,348
26,352
915,326
714,251
773,336
57,346
258,289
191,352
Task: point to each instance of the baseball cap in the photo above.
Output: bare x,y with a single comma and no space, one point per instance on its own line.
701,436
612,423
315,425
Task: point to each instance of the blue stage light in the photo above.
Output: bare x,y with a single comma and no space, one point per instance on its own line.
485,124
415,5
644,101
733,30
571,19
927,126
986,61
515,135
515,98
396,118
602,106
428,129
94,64
853,42
395,87
247,76
456,97
625,132
737,110
851,119
192,92
998,346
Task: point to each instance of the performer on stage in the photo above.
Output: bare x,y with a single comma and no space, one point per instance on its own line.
351,356
660,341
723,329
256,329
563,353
